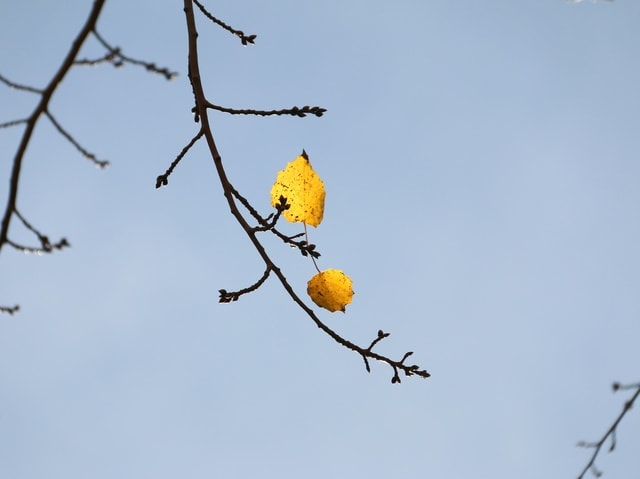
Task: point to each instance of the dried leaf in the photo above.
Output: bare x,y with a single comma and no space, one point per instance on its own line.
303,189
331,289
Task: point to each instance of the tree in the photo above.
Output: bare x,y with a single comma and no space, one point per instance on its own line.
233,197
117,57
610,434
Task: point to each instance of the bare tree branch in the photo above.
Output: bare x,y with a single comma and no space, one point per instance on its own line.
11,310
17,86
293,111
115,56
227,296
201,113
41,109
163,180
7,124
611,432
72,140
46,246
239,33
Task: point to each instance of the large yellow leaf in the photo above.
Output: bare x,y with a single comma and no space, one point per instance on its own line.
303,189
331,289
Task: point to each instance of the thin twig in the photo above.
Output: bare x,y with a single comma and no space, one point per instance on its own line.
72,140
116,57
27,225
611,432
262,221
11,310
229,296
163,180
47,246
238,33
13,123
109,57
17,86
268,224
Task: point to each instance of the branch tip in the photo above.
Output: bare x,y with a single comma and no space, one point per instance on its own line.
10,310
611,432
115,56
244,39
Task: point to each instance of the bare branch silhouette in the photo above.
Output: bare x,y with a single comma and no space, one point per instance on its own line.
13,123
115,56
202,105
17,86
163,180
293,111
239,33
201,111
227,297
72,140
46,246
42,109
611,432
9,309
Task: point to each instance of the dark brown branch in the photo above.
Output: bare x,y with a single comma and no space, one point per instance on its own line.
17,86
72,140
293,111
13,123
229,296
114,56
163,180
238,33
265,223
380,337
117,58
611,432
27,225
262,221
202,114
305,248
46,246
11,310
40,109
269,223
109,57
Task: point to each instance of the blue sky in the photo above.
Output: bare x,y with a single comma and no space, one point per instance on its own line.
481,167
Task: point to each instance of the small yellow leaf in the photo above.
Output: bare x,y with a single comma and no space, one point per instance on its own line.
331,289
303,189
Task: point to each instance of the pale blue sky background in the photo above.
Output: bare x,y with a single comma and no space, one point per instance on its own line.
481,165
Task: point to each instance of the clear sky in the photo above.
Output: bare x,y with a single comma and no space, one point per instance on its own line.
481,161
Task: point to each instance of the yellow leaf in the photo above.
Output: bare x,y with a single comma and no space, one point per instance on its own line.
331,289
303,189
